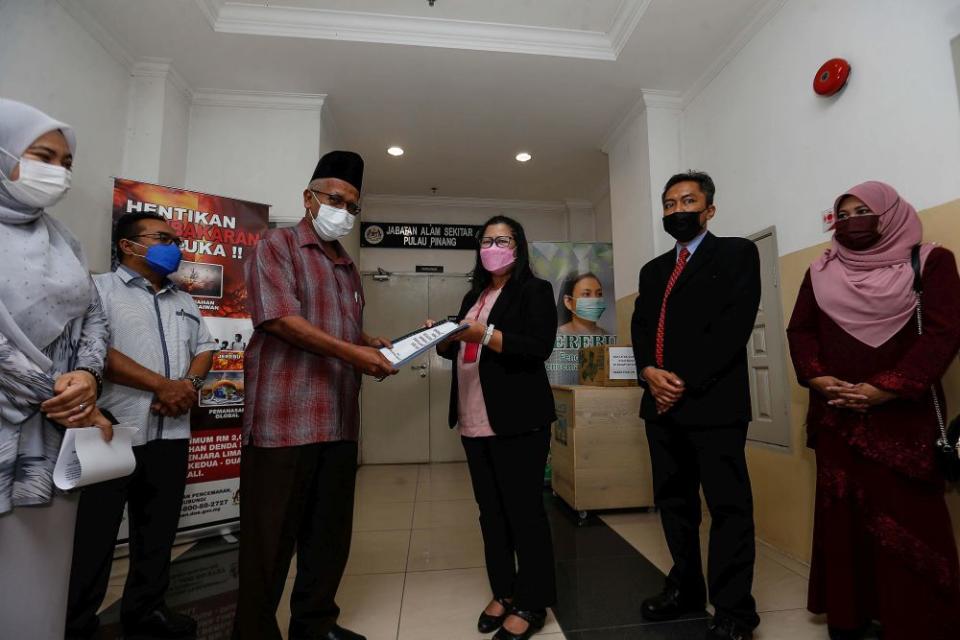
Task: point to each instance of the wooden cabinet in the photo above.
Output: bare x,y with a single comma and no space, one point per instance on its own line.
599,453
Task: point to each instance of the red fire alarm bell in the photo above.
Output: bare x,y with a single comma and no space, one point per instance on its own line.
831,77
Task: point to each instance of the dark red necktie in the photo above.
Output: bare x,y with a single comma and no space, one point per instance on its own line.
472,349
681,263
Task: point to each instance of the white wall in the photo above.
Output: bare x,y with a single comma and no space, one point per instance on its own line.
630,193
602,216
176,129
49,61
956,60
143,146
264,155
780,154
541,222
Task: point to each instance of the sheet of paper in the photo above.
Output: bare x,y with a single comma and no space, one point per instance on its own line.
408,347
622,366
86,459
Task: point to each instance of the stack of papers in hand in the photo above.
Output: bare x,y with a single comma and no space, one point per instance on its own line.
406,348
86,459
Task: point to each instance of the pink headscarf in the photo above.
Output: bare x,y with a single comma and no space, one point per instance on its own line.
869,293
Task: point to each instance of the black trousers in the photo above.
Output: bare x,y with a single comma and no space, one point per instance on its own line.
507,476
294,497
153,494
685,458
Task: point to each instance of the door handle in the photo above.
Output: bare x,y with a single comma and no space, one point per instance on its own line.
420,367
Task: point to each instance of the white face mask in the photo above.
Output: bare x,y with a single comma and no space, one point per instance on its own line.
40,185
332,223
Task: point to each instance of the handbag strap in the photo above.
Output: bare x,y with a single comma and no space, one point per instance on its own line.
943,442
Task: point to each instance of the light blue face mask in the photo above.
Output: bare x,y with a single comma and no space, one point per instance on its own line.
591,308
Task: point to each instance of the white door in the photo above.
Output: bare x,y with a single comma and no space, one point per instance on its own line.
404,418
766,352
394,414
445,293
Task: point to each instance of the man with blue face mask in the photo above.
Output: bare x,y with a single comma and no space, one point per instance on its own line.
160,353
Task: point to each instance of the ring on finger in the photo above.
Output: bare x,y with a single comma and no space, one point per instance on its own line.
82,406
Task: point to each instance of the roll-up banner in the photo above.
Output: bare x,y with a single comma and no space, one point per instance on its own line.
218,234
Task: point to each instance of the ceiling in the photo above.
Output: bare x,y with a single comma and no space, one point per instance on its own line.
588,15
462,86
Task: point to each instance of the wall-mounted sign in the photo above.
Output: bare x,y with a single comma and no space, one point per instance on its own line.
404,235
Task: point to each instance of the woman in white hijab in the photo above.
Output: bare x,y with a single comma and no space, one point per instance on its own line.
53,339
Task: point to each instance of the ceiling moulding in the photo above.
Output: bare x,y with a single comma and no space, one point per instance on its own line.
764,13
581,206
97,32
358,26
626,21
259,100
668,99
649,99
451,202
210,9
161,68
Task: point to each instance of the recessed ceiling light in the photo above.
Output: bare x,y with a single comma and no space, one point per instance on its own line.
523,156
395,151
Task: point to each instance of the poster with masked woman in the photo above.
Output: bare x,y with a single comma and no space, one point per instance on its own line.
582,278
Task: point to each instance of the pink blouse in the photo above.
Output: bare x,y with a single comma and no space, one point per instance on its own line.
472,420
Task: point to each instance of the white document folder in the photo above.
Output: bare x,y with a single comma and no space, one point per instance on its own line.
408,347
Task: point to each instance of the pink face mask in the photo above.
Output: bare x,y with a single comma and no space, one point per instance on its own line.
496,259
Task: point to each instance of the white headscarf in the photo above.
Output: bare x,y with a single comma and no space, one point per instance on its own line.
44,282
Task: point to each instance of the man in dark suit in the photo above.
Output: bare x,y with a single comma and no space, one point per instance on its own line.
694,314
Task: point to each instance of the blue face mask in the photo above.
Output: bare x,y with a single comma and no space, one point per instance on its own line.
591,308
163,259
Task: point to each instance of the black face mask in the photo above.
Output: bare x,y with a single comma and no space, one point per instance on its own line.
683,225
858,232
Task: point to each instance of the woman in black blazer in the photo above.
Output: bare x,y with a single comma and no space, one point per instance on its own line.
502,405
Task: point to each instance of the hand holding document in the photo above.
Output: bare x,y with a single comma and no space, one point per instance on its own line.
410,346
86,459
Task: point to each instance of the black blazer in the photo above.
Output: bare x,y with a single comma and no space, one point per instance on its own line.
515,387
710,317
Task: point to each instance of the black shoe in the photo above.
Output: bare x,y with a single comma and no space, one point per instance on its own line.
535,621
848,634
488,623
88,632
161,623
339,633
670,604
726,629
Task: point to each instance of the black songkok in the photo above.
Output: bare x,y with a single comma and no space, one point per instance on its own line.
343,165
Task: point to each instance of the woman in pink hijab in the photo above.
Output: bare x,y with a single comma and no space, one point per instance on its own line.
883,548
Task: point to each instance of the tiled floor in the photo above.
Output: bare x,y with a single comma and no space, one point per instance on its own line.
780,583
416,570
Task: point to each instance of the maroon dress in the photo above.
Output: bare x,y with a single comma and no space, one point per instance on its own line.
883,545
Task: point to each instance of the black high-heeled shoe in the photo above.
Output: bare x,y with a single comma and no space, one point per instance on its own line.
848,634
487,623
535,621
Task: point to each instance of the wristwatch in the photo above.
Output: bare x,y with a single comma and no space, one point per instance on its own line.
196,381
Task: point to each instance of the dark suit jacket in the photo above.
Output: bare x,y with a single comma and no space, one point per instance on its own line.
516,390
710,317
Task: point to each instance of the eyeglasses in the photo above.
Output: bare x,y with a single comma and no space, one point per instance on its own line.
501,241
337,201
162,238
